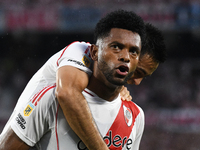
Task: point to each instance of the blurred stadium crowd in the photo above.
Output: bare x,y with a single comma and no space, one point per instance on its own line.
64,14
31,31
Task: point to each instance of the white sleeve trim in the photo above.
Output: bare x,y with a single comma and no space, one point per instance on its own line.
23,137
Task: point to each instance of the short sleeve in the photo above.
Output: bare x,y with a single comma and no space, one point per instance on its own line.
32,120
77,54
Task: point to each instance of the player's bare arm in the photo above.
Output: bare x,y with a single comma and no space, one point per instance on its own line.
12,142
70,84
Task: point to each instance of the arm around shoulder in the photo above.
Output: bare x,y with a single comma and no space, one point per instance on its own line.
70,83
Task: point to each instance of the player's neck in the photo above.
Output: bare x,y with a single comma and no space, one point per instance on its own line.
104,91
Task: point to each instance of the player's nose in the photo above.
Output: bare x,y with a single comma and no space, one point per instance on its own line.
124,56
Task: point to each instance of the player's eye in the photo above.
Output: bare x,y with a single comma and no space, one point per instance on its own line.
134,51
115,46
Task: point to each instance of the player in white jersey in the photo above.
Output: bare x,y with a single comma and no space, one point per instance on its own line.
115,57
147,71
31,128
135,23
41,122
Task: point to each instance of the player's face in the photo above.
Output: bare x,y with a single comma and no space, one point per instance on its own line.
118,55
146,66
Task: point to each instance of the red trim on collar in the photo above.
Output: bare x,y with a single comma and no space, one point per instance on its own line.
88,93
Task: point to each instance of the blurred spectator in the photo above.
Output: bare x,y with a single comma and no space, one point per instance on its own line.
167,14
195,14
182,13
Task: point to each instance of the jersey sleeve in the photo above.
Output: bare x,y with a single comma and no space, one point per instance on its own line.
32,120
77,54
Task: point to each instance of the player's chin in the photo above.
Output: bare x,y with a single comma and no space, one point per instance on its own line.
119,81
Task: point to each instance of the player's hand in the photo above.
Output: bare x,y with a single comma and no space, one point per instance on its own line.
125,94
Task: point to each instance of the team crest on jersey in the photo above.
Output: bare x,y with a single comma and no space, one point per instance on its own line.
86,61
128,115
28,109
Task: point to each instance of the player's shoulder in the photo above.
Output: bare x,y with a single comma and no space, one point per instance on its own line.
79,44
77,47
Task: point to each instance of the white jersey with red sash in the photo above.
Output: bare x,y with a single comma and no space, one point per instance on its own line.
41,123
126,131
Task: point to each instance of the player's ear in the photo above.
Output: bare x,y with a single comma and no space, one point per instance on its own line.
94,52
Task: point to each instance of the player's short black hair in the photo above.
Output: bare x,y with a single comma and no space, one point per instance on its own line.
154,44
119,19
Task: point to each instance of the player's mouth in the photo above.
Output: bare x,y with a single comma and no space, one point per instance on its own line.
122,70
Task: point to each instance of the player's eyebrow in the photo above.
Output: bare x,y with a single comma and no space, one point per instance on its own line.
117,43
143,71
122,45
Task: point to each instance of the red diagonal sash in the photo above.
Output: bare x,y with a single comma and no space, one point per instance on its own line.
119,132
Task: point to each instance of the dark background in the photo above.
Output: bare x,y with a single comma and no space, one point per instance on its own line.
31,31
